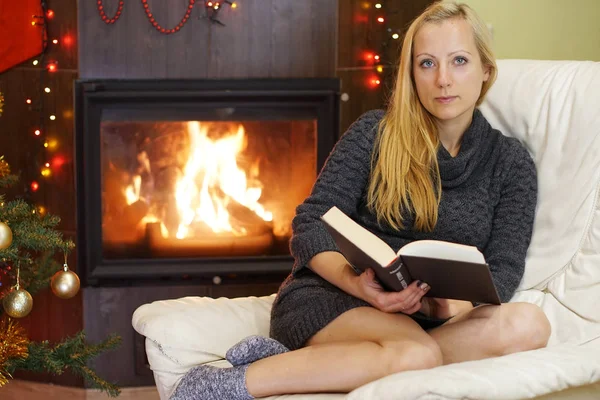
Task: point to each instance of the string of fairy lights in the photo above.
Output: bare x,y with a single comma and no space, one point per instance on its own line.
376,61
40,104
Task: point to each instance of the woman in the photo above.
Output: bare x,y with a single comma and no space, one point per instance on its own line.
430,167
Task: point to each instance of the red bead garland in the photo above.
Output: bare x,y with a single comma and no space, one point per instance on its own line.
112,20
151,18
172,30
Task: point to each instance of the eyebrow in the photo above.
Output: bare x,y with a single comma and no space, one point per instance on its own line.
432,56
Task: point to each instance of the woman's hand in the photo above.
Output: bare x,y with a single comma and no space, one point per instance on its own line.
407,301
444,308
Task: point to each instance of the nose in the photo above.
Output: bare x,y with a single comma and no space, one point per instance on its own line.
443,77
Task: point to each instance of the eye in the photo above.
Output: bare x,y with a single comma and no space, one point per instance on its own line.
426,63
460,60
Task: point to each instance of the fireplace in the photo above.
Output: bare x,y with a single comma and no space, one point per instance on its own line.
195,178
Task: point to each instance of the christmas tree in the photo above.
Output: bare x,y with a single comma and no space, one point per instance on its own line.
28,245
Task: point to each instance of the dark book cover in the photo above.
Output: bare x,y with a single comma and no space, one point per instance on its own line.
451,279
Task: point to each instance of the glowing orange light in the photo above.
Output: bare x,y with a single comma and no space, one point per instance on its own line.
49,14
67,40
233,5
58,161
34,186
52,67
373,82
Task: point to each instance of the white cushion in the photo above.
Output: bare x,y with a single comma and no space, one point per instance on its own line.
190,331
553,107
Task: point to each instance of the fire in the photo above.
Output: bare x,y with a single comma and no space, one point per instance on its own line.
215,161
211,181
132,192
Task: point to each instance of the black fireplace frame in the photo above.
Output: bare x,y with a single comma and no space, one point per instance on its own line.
91,96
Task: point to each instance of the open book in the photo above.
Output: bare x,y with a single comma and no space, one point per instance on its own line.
454,271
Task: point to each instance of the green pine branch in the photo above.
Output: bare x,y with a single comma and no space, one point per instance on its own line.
34,244
72,354
8,181
39,274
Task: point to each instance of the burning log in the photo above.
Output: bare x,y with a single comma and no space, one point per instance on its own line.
134,213
213,245
126,228
241,216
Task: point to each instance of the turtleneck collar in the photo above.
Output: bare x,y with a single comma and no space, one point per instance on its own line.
456,170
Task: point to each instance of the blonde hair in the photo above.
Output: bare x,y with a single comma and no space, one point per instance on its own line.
405,174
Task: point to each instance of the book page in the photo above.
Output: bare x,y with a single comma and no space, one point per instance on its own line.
443,250
361,237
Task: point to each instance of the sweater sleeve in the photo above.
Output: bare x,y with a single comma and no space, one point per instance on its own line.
512,223
341,182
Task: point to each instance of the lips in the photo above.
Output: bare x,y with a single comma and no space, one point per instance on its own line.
446,99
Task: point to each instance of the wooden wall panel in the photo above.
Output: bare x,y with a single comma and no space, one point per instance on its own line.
261,38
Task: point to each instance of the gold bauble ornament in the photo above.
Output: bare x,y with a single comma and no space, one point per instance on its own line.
65,283
17,303
5,236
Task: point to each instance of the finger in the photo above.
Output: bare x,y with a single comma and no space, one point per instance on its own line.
417,295
416,307
408,295
414,302
405,294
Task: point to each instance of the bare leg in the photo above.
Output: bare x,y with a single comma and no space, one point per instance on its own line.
488,331
360,346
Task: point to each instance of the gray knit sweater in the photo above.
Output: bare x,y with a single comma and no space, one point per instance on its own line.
489,193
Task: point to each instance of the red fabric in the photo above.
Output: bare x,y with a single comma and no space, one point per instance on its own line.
19,40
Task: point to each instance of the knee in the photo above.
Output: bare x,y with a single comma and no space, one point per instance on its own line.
526,327
410,355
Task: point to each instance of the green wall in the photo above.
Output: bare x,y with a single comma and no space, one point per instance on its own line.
543,29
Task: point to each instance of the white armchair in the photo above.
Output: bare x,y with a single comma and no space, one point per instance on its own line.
554,108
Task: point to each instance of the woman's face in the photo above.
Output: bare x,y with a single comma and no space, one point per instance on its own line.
447,69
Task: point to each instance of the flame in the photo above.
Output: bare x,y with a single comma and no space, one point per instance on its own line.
213,164
132,192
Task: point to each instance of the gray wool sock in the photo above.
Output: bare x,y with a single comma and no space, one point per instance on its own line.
206,382
254,348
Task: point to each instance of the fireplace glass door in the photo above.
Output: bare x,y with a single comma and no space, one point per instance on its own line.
195,178
203,187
